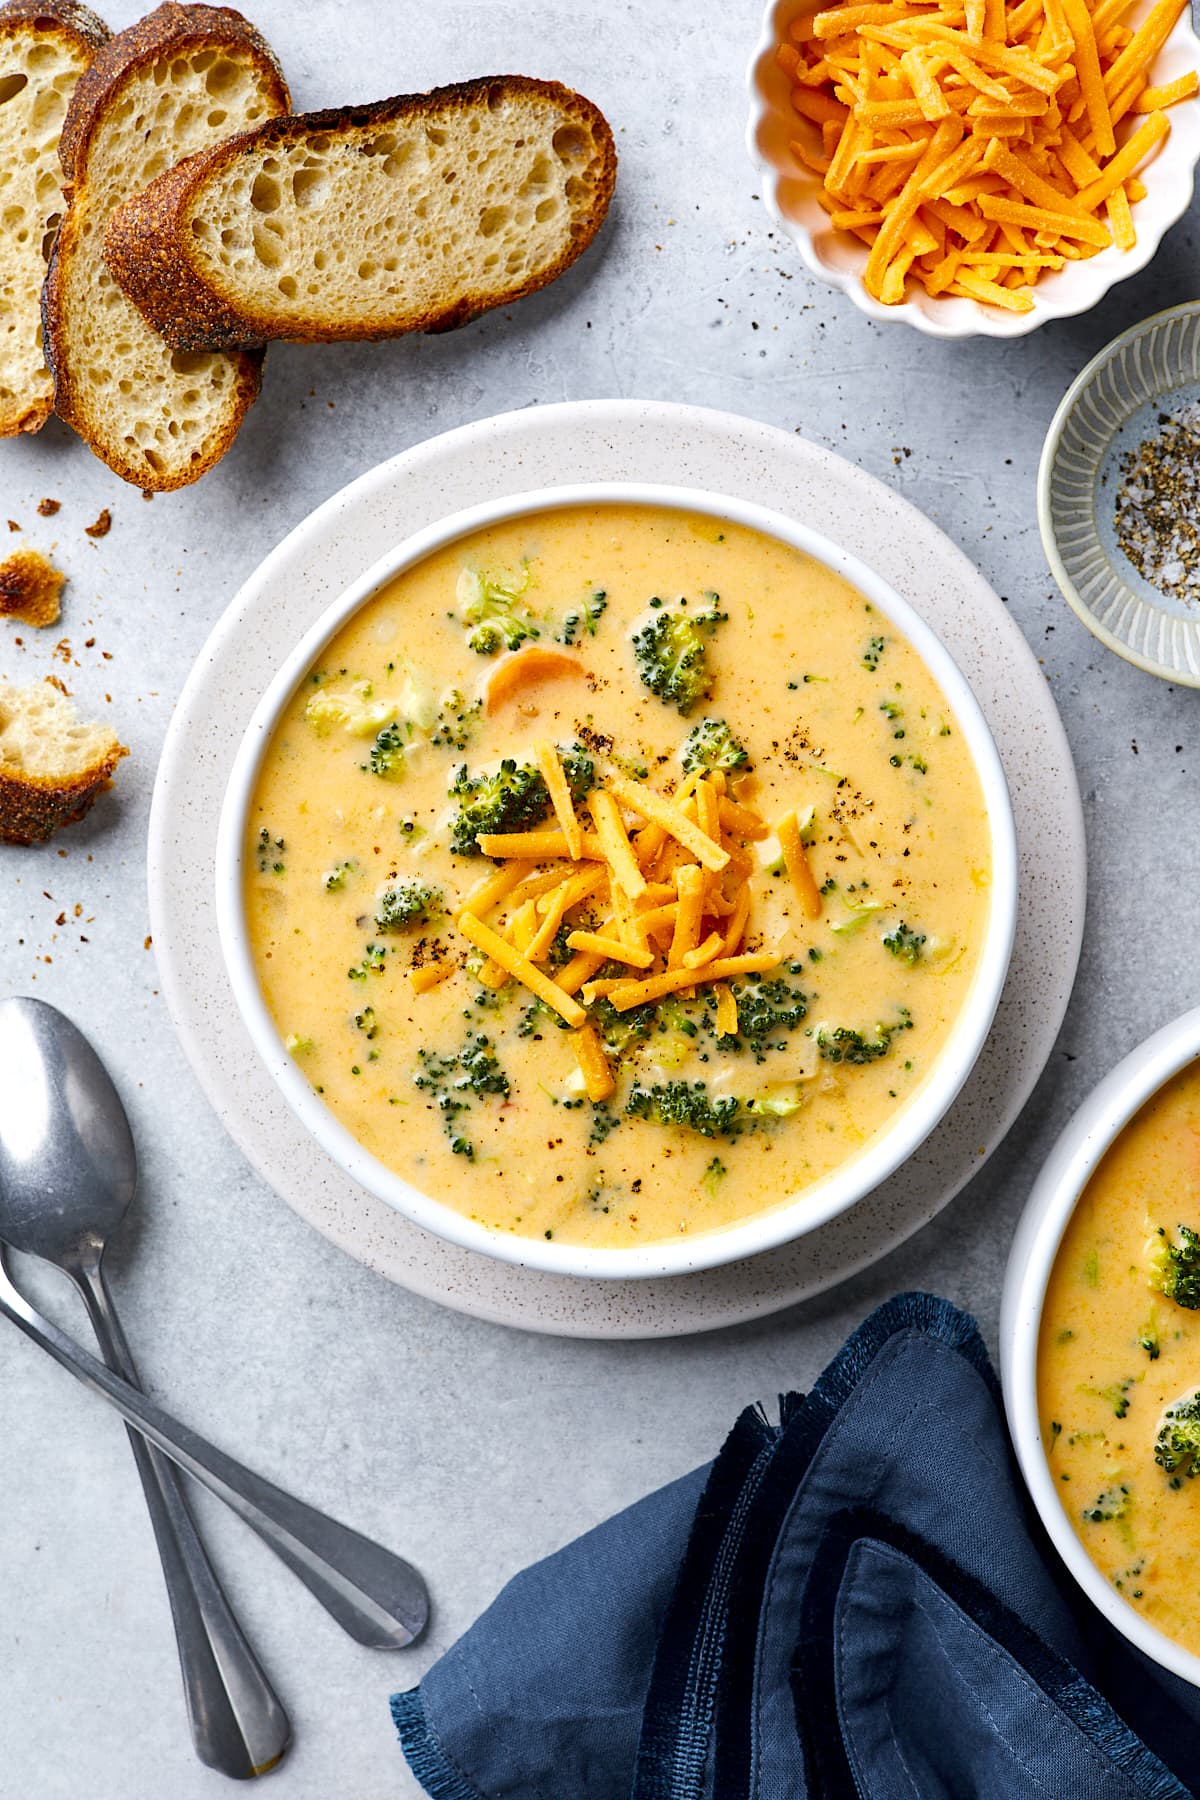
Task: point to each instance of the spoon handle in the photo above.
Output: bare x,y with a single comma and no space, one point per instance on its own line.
377,1598
237,1722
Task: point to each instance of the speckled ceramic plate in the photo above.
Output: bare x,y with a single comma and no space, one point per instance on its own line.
1106,413
609,441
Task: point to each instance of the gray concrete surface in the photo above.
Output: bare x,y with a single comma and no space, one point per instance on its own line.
469,1447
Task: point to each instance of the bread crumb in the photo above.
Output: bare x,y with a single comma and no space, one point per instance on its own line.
13,526
146,943
48,508
30,587
101,526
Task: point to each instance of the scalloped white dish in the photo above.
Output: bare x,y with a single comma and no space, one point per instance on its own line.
790,192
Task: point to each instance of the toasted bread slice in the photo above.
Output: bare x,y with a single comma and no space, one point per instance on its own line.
178,81
45,46
30,587
414,214
52,764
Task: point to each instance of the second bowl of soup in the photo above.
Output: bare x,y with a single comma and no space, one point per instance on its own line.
620,881
1100,1344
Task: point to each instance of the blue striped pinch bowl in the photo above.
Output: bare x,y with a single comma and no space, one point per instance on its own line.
1105,414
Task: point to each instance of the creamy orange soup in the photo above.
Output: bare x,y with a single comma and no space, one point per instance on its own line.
1116,1351
749,925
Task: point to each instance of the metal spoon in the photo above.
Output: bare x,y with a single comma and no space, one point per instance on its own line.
67,1175
237,1723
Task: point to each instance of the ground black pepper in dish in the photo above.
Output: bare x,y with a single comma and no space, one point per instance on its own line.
1157,517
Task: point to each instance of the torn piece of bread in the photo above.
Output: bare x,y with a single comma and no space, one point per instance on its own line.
30,587
414,214
181,79
45,46
52,764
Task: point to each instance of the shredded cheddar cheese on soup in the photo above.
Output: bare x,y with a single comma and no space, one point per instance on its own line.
617,873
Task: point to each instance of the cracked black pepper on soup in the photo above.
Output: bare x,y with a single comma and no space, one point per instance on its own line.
617,873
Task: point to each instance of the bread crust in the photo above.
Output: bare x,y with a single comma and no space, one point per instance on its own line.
80,22
30,417
171,27
150,253
180,28
33,808
90,33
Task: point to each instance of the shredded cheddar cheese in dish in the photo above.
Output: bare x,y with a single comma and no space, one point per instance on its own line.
973,148
617,873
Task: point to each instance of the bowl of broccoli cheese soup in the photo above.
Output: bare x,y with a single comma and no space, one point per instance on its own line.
1100,1338
618,880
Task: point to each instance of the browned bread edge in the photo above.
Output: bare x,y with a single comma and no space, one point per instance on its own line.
80,21
152,260
179,27
32,808
182,28
31,418
90,31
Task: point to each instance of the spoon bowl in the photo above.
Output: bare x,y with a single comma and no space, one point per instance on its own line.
67,1110
68,1166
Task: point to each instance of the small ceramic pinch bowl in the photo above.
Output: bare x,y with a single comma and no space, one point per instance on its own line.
1106,413
1069,1167
794,1217
790,191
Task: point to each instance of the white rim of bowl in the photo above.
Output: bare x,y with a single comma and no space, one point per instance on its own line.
781,1224
1046,466
1048,1211
974,319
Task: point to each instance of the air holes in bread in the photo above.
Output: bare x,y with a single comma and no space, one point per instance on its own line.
266,195
309,185
570,143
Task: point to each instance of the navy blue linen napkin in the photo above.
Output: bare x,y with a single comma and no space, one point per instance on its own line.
854,1601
